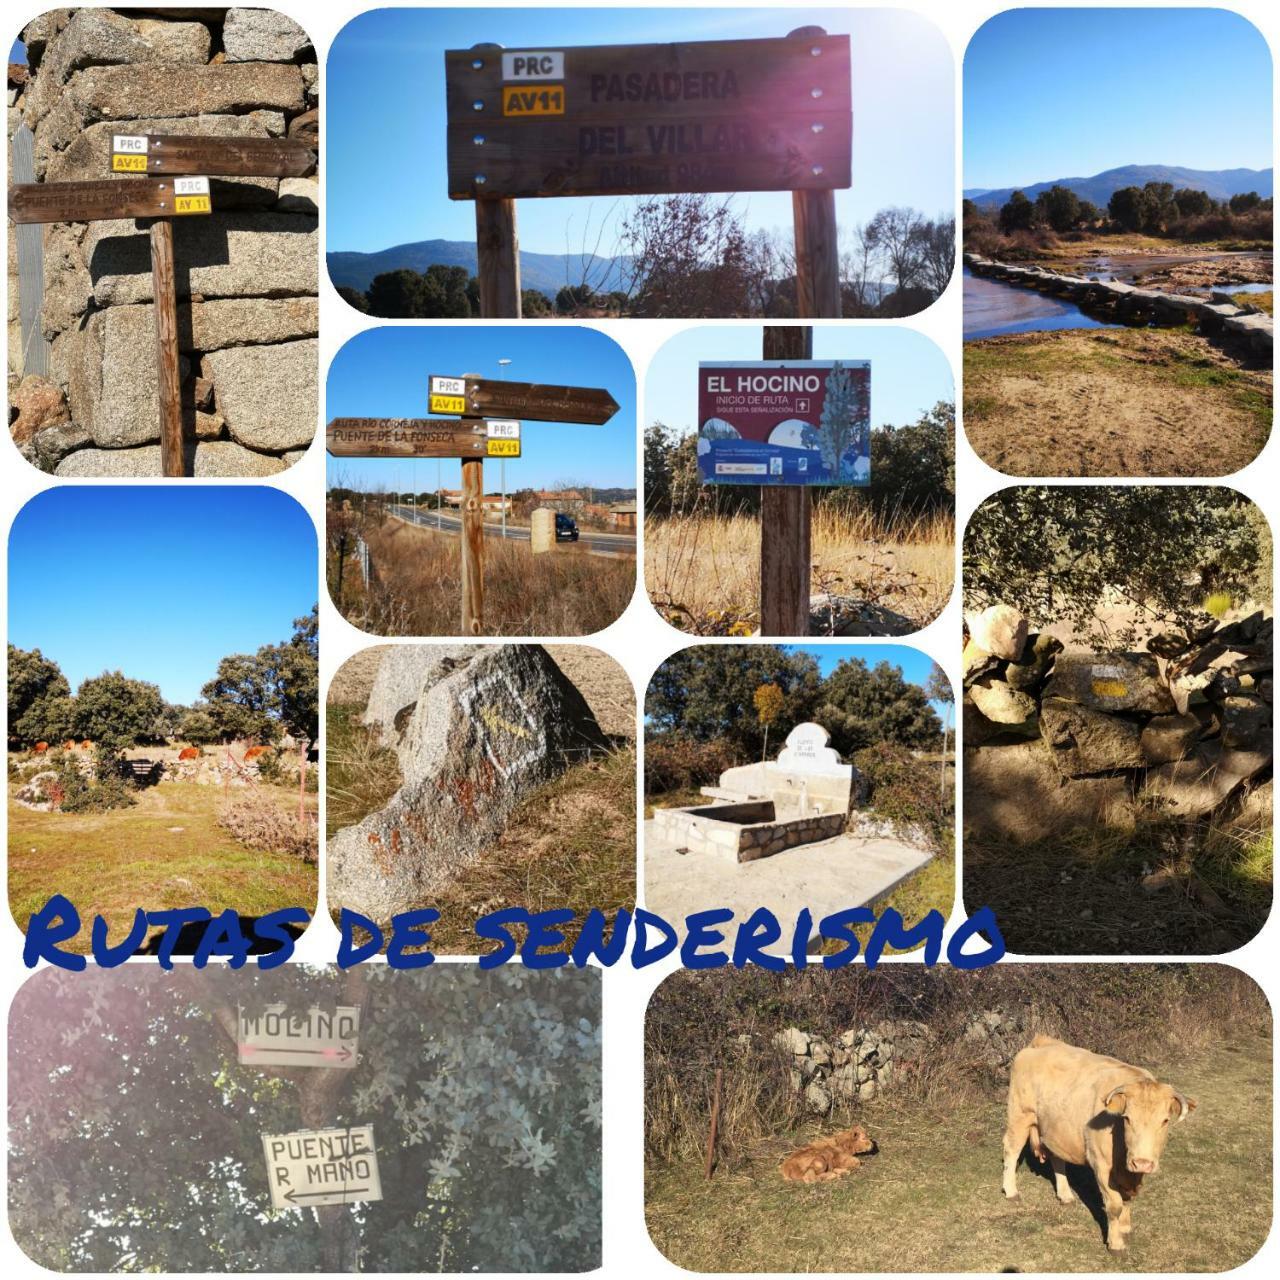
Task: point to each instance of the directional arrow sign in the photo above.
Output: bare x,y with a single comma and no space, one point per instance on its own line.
275,1036
322,1166
421,438
109,198
487,398
241,157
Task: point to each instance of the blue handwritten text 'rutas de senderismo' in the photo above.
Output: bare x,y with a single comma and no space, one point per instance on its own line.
710,939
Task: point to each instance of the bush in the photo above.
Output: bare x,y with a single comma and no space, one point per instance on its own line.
905,790
675,762
257,821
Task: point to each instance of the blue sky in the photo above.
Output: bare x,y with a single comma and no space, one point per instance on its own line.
915,666
1067,93
159,582
908,372
382,373
385,116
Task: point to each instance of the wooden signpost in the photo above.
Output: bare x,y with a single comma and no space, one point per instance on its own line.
322,1166
487,425
709,116
160,199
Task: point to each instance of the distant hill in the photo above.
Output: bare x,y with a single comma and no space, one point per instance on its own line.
1220,184
546,272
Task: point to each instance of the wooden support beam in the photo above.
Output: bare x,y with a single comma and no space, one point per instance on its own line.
498,259
168,380
472,542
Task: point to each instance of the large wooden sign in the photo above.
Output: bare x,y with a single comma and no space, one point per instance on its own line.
422,438
720,115
109,198
322,1166
276,1036
534,402
240,157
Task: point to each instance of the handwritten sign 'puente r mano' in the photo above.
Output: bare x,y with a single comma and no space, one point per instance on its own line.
716,115
322,1166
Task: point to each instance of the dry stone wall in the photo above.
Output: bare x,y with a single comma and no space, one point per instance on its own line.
246,274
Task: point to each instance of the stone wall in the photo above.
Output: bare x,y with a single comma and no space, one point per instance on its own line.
1178,731
864,1062
246,274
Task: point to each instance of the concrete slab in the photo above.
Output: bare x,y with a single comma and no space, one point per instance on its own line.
826,876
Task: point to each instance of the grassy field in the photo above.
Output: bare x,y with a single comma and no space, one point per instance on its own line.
166,851
930,1199
1263,301
416,587
569,844
1108,402
702,571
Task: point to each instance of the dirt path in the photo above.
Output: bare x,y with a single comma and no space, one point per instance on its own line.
930,1200
1113,402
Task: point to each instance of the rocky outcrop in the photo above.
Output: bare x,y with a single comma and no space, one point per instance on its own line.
1179,730
246,274
477,729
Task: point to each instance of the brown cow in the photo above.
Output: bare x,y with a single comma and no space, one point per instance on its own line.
189,753
41,748
86,745
828,1158
254,752
1078,1107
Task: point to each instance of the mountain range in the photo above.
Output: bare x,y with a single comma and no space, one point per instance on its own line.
546,272
1220,184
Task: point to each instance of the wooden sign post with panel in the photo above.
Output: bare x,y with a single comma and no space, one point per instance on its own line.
487,425
653,119
184,164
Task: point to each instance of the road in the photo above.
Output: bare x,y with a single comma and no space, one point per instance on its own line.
613,544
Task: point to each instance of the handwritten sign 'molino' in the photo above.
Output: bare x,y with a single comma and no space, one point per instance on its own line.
718,115
278,1036
774,422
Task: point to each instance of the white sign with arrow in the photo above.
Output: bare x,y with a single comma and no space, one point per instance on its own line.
274,1036
322,1166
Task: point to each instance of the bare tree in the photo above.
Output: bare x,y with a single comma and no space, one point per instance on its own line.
898,235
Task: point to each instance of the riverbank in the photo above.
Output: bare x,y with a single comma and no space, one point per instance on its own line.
1114,402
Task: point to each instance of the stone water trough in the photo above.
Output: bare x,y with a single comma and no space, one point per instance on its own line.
765,809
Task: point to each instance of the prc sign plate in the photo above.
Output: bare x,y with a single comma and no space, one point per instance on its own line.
108,198
776,422
530,401
716,115
322,1166
415,438
235,157
274,1036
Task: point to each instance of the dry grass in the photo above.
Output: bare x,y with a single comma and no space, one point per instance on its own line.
167,851
416,586
930,1199
570,844
702,570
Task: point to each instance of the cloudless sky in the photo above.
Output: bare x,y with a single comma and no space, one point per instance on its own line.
385,117
1067,93
382,373
908,372
158,582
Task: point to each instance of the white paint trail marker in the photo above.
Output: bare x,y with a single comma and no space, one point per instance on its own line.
274,1037
322,1166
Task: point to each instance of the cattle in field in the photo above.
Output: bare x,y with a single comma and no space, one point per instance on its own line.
189,753
254,752
86,745
69,745
828,1158
41,748
1078,1107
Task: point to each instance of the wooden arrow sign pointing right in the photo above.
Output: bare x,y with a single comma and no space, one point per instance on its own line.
239,157
109,198
488,398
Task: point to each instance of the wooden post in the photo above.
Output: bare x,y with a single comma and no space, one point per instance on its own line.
785,519
472,540
715,1121
168,381
817,251
498,259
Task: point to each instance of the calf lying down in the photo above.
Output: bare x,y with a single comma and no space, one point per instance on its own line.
828,1158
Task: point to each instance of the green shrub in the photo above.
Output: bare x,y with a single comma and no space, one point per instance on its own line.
86,793
1217,604
905,790
675,762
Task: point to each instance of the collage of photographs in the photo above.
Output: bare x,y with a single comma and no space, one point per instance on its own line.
640,638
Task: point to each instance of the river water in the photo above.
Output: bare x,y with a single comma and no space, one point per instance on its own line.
992,308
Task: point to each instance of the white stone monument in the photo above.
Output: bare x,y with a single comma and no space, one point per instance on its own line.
807,778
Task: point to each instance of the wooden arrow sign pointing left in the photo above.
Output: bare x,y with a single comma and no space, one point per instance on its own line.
421,438
238,157
108,198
